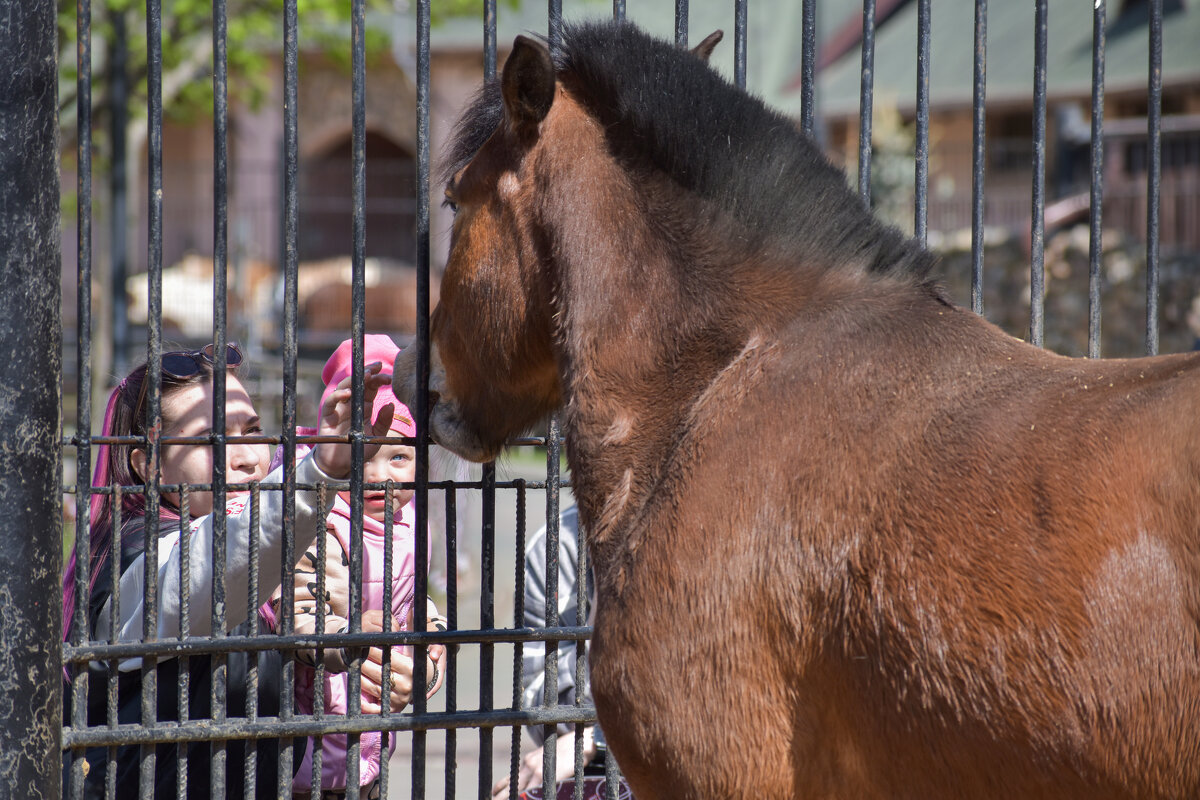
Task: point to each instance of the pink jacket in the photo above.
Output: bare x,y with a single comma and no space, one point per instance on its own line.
337,613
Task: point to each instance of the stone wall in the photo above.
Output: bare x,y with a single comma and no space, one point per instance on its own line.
1122,289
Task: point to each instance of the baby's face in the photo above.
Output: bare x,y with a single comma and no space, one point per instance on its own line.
394,462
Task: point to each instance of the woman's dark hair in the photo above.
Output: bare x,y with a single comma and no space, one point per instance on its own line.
125,415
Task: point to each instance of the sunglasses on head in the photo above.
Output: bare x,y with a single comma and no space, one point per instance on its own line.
189,363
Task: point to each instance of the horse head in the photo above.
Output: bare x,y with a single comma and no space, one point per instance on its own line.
493,372
528,172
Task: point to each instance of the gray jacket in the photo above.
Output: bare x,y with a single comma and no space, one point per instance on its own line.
533,654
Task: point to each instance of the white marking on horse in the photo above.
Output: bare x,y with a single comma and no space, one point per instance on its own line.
735,377
620,431
507,185
614,505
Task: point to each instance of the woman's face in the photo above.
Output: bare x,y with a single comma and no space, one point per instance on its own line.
188,412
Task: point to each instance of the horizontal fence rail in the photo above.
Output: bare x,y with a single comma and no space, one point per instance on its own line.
266,727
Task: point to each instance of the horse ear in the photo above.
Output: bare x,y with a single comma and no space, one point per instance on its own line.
704,50
527,84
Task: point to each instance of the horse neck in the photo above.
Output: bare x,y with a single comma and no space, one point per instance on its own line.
644,325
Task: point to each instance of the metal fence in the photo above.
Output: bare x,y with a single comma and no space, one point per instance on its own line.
33,730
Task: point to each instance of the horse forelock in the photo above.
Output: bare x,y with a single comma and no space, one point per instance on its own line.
477,123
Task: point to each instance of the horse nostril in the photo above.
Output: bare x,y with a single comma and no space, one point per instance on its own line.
434,397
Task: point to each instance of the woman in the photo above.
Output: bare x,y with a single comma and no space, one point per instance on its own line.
187,404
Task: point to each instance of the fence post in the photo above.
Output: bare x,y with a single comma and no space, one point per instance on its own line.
30,404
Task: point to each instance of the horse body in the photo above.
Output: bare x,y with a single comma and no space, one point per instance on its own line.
953,613
849,540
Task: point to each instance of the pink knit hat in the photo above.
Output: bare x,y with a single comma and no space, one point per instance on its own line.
376,347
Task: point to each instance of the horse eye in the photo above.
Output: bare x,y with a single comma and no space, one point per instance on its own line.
450,204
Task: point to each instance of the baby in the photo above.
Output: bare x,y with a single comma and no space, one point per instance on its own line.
395,462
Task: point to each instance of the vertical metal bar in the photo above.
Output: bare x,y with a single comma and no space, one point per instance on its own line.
550,694
487,621
486,589
219,662
31,350
681,23
389,547
118,89
921,193
612,778
867,88
1153,174
1097,186
514,763
451,624
83,427
420,623
554,14
358,421
1037,277
739,43
808,60
291,225
618,9
251,746
154,195
582,686
489,40
185,624
978,155
318,705
421,508
114,608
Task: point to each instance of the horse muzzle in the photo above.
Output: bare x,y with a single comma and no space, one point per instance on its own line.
447,427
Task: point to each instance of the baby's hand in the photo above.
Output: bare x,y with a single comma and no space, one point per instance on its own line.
437,660
400,680
334,459
402,668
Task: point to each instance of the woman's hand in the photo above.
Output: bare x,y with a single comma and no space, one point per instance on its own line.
400,682
402,668
438,657
530,773
334,459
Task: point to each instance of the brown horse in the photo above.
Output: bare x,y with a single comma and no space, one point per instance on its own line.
850,541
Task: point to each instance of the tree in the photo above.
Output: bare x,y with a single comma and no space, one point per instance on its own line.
254,37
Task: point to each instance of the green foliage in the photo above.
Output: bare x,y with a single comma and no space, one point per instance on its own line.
254,40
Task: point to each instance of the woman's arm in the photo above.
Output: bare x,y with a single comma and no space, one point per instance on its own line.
237,562
335,602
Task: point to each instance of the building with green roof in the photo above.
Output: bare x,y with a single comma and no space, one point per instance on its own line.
1009,107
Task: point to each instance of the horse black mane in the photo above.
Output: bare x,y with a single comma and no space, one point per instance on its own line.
665,110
